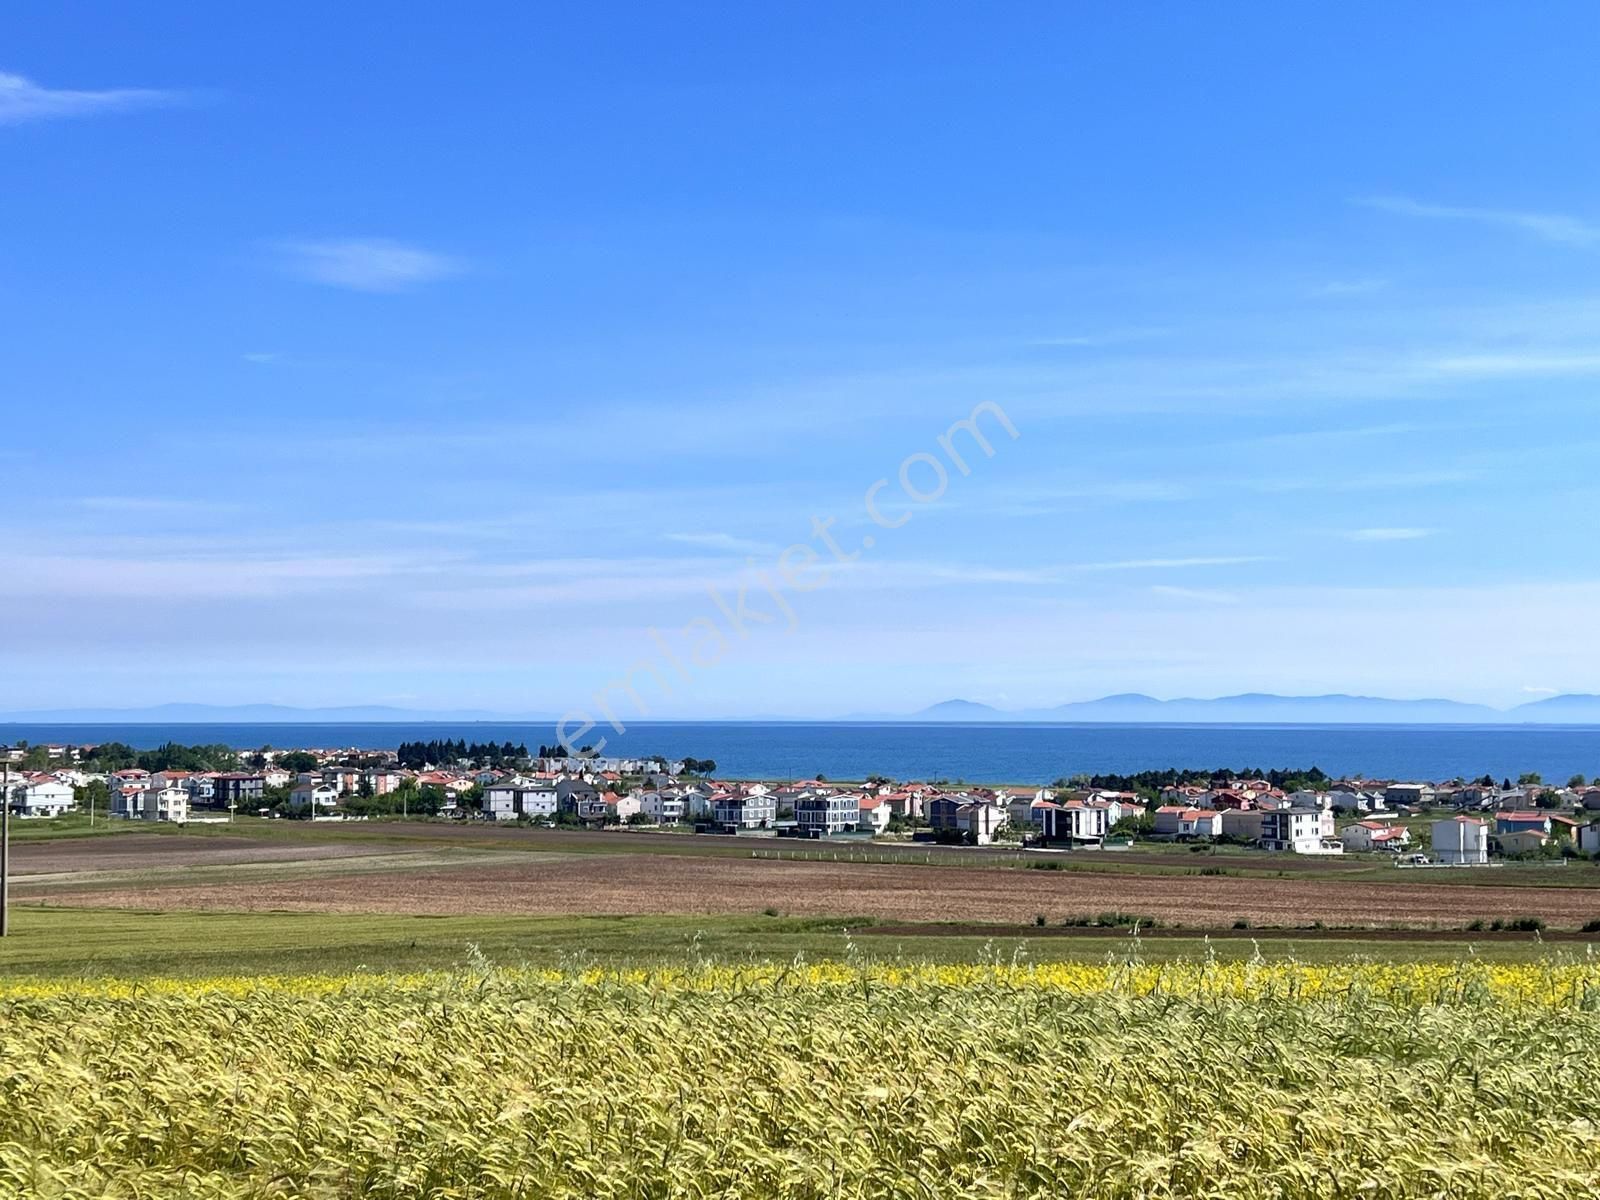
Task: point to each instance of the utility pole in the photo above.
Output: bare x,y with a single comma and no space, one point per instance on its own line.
5,843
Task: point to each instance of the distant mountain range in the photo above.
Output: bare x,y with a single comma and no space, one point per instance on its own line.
1129,708
1264,708
246,714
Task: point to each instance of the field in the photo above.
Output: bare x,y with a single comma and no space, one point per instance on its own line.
276,1010
1119,1080
483,871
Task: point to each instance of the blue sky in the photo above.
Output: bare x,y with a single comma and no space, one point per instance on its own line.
381,355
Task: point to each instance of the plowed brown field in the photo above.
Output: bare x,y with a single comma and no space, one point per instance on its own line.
664,884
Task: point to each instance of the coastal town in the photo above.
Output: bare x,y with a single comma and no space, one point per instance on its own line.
1446,823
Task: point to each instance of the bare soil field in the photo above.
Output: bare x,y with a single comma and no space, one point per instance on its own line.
664,884
142,851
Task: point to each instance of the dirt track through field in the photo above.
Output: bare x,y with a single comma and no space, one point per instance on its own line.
646,884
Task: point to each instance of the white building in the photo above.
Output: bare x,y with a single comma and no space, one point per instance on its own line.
663,807
875,814
515,798
316,796
42,796
1078,820
1172,821
1300,830
1461,840
170,803
979,821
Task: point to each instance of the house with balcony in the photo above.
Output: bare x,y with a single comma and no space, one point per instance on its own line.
1461,841
1300,831
518,797
170,803
742,810
41,796
236,789
875,814
824,814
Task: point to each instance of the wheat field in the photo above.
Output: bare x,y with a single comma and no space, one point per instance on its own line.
1116,1079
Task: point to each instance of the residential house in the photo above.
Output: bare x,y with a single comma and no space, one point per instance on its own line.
41,796
941,811
1086,822
977,821
1366,836
237,789
518,797
1516,822
823,814
1175,822
1243,823
1300,831
382,781
1344,800
169,803
735,810
1410,794
1522,841
875,814
906,803
620,808
1461,840
664,806
580,799
314,795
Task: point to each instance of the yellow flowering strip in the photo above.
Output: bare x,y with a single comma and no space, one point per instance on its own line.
812,1080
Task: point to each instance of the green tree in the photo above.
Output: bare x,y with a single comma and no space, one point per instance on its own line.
93,796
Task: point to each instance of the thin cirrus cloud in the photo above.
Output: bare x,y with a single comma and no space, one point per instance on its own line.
365,264
22,100
1198,595
1404,534
1550,227
723,541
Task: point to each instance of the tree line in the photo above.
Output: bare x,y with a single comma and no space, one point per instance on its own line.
1151,783
417,755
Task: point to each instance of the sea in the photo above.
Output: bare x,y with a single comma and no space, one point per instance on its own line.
954,752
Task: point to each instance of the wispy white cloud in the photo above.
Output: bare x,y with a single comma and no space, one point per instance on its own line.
366,264
23,100
1092,341
261,357
1150,564
1387,535
1349,287
1532,363
1201,595
1396,480
723,541
1550,227
152,504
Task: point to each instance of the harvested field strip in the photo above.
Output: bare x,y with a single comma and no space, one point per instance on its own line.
654,884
